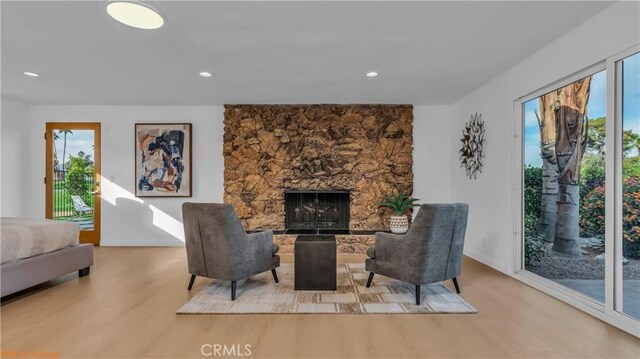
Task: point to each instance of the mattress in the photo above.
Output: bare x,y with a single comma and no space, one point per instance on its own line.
26,237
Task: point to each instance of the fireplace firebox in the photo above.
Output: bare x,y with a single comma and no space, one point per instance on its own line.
308,211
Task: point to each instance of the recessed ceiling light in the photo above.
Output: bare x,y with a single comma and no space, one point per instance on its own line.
135,14
372,74
205,74
32,74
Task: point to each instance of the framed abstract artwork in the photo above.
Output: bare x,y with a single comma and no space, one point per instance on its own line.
163,159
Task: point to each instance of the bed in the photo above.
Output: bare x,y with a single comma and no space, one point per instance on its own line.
34,251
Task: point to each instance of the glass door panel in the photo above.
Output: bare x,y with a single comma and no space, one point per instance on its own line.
73,187
630,111
564,177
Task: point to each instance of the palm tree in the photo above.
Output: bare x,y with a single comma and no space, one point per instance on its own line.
56,163
547,225
566,111
64,146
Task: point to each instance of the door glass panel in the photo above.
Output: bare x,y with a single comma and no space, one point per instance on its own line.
74,174
631,185
564,170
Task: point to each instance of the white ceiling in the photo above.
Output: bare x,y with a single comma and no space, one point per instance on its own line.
272,52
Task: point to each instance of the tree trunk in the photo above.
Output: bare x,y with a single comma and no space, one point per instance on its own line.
547,123
570,144
56,163
547,223
567,233
64,151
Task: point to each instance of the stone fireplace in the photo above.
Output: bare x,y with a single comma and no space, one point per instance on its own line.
316,212
272,151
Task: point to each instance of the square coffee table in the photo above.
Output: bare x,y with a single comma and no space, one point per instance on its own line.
315,262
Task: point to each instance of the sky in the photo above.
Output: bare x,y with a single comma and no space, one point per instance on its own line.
596,107
78,140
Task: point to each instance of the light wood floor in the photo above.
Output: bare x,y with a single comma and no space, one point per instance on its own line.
126,308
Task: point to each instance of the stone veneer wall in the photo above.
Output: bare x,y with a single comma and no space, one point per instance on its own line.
367,149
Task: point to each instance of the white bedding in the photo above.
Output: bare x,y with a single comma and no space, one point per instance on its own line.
26,237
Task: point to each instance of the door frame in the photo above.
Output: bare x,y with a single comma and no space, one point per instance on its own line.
85,236
614,192
609,310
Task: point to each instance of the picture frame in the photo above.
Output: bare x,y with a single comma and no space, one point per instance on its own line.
163,159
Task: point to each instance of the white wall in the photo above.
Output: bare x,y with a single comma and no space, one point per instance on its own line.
432,159
490,234
438,177
127,220
13,150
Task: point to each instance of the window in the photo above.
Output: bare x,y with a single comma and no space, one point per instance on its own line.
580,194
564,175
630,238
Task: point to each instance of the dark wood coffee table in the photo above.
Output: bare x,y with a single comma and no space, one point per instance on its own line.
315,262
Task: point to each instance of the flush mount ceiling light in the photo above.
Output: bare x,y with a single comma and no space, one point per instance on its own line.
205,74
372,74
31,74
135,14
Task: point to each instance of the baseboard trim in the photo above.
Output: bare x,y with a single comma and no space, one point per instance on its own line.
489,262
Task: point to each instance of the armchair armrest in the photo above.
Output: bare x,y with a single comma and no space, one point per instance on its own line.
392,247
261,244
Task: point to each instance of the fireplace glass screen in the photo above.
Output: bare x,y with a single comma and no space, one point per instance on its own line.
317,209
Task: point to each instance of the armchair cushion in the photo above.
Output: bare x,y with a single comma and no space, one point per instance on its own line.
265,236
218,247
371,252
431,251
390,247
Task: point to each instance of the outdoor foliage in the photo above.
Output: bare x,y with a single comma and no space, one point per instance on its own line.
592,217
592,214
631,167
533,244
80,167
532,198
591,173
533,250
631,219
592,197
399,203
597,136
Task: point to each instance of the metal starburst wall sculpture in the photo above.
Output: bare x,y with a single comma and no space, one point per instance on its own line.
472,151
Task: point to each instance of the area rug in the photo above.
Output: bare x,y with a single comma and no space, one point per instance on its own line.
260,294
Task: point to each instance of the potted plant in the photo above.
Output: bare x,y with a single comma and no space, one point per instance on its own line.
399,204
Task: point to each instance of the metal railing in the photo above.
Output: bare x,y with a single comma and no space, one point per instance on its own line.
62,204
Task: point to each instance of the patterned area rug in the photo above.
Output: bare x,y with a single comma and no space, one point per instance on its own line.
260,294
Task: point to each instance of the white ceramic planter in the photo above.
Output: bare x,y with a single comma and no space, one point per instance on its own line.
399,224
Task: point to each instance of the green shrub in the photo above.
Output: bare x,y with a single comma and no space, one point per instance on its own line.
532,198
592,216
533,250
592,173
531,223
631,167
631,218
76,179
592,213
75,182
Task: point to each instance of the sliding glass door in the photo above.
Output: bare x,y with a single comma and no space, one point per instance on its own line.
580,194
564,175
628,107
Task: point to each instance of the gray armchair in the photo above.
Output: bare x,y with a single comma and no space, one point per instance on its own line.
218,247
430,251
